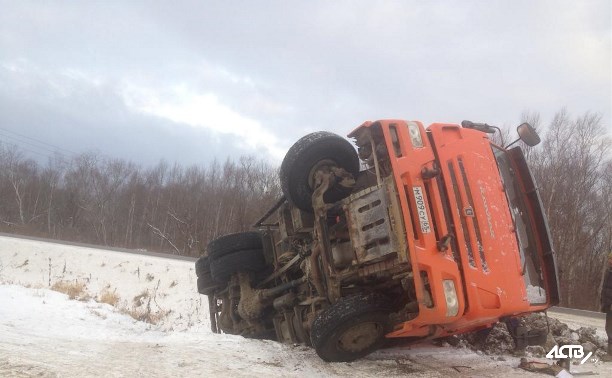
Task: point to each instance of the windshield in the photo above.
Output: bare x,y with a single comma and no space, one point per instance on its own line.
524,231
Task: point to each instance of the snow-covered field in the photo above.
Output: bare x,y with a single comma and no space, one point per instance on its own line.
43,333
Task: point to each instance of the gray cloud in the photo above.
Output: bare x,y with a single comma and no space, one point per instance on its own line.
87,118
282,69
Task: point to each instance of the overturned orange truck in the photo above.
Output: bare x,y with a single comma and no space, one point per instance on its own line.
420,233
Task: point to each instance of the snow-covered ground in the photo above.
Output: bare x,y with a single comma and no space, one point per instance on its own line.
43,333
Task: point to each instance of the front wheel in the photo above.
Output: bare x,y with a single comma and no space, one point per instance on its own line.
351,328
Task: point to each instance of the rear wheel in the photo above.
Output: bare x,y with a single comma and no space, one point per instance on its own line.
351,328
249,260
202,265
312,152
206,285
231,243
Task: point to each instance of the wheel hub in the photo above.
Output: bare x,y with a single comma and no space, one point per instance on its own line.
359,336
325,165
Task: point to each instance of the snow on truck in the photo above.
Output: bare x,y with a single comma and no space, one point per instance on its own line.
421,233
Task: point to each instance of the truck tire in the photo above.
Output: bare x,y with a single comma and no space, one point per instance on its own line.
206,285
351,328
304,156
202,265
248,260
234,242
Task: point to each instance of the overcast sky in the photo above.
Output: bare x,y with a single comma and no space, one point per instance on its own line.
188,81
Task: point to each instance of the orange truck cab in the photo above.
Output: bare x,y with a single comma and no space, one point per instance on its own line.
419,233
475,228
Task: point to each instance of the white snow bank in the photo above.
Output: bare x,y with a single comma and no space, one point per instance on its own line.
169,286
22,308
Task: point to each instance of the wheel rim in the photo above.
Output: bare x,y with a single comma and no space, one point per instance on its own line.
360,337
323,164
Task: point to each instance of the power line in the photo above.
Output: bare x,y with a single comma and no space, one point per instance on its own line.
26,149
67,155
39,141
47,150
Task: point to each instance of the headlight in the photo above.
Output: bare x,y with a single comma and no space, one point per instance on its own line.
450,294
415,134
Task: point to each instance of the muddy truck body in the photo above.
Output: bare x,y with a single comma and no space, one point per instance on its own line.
420,233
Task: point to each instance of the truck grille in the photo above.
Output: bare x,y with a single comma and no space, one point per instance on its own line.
465,209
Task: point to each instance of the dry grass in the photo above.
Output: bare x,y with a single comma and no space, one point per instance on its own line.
109,297
99,314
74,290
141,298
146,315
142,309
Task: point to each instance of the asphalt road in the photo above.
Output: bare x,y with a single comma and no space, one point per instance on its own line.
134,251
573,311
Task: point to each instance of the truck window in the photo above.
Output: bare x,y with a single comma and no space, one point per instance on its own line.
526,238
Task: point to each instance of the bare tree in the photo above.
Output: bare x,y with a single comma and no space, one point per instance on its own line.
570,167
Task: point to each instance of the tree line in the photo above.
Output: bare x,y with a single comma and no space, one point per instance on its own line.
112,202
171,208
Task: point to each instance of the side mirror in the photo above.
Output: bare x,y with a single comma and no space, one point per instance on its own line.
528,134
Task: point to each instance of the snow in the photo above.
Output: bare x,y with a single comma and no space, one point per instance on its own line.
170,284
64,318
44,333
536,294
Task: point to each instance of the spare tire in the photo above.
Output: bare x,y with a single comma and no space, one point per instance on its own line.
308,153
231,243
